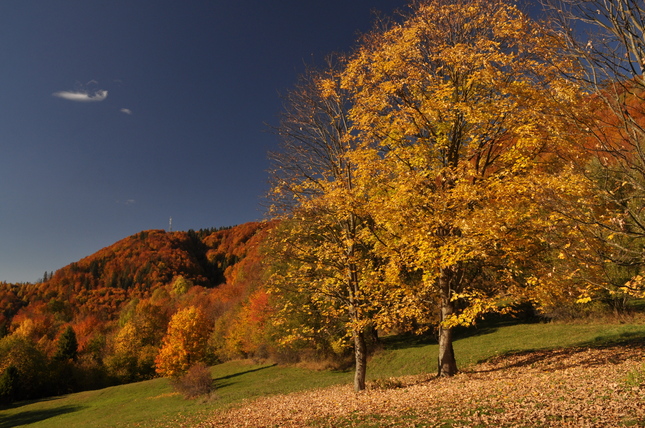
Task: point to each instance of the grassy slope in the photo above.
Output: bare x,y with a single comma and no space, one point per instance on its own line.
480,344
152,403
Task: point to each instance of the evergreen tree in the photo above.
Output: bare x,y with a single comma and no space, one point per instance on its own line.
67,348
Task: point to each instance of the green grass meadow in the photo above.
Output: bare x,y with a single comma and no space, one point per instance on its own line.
153,403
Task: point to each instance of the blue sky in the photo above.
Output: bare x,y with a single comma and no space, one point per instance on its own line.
117,115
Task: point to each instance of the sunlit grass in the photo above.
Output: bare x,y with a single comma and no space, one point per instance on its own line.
413,356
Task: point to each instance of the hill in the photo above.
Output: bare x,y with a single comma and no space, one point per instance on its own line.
119,300
136,267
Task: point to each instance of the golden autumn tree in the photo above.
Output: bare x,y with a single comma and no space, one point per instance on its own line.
136,344
320,244
184,343
457,111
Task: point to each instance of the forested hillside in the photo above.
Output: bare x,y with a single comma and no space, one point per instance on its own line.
118,303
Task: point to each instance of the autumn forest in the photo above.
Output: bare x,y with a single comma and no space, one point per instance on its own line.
464,159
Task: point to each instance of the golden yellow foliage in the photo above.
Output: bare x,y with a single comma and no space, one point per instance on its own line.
458,114
423,180
184,343
322,244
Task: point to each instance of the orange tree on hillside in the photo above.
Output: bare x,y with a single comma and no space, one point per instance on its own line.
320,244
457,114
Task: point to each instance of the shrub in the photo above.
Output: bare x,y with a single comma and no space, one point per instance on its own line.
197,381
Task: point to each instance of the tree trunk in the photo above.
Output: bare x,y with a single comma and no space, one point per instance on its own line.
447,365
360,352
353,283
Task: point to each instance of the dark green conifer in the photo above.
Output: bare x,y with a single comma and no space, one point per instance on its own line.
67,348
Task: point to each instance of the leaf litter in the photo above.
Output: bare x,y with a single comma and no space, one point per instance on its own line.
579,387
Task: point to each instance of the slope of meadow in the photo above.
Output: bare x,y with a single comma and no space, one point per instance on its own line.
528,375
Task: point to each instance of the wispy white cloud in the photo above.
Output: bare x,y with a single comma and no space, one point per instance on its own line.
126,111
82,96
126,202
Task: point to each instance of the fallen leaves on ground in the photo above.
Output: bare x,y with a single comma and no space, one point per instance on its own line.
561,388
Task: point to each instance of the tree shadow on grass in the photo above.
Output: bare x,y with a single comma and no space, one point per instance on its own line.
411,340
629,338
32,416
220,381
487,325
623,346
406,340
492,322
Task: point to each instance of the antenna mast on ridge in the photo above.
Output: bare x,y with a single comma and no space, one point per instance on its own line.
170,225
